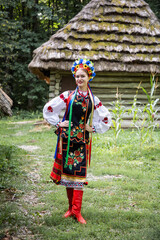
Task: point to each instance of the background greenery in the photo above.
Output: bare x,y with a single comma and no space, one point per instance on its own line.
25,25
121,201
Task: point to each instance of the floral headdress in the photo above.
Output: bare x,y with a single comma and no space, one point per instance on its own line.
85,64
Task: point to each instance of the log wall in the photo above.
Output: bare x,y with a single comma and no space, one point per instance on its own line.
105,88
55,84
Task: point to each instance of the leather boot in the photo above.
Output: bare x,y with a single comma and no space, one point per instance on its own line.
70,197
76,205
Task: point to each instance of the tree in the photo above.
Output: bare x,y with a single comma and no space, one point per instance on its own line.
25,25
155,6
21,33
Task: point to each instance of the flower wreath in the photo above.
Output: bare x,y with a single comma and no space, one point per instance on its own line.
85,64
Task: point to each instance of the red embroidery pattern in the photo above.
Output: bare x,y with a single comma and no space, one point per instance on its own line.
83,104
78,132
105,120
98,105
94,130
75,158
63,98
77,153
50,109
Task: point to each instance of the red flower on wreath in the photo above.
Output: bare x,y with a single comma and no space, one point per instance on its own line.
70,161
50,109
105,120
72,133
79,159
76,153
80,135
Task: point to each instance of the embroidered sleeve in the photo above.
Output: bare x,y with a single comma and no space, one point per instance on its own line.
54,107
101,118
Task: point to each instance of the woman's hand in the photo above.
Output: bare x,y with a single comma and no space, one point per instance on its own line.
88,128
65,124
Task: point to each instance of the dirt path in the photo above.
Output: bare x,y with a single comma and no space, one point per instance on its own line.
26,198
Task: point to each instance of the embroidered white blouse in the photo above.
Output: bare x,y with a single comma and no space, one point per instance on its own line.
101,118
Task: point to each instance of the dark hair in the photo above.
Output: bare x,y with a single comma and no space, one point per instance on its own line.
84,70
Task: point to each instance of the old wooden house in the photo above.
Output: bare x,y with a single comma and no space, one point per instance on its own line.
121,37
5,103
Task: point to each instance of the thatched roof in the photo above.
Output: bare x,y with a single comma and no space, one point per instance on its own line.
118,35
5,103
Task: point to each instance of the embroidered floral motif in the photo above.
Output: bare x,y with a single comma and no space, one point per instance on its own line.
63,98
77,153
98,105
79,159
77,132
70,161
94,130
75,158
105,120
81,126
50,109
80,135
83,104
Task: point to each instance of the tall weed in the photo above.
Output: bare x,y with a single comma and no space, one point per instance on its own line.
118,110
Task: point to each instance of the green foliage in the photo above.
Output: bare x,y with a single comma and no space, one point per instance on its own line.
118,111
120,202
151,108
18,39
155,6
139,119
9,164
144,116
22,114
25,25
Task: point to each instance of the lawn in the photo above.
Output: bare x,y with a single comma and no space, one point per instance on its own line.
121,201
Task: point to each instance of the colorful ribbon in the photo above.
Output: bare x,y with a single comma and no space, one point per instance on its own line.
70,119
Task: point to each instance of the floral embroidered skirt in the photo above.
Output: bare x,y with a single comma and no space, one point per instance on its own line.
71,173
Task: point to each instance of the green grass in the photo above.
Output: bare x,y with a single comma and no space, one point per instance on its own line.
123,202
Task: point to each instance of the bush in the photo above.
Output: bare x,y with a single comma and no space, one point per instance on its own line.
22,114
9,164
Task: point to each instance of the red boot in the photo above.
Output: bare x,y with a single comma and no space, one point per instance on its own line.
76,205
70,197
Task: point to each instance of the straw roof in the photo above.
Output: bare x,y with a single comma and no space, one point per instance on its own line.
117,35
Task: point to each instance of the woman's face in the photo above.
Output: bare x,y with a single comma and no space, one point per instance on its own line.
82,79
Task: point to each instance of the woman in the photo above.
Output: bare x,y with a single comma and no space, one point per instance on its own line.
84,114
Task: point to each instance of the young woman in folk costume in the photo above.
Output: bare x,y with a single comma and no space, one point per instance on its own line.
84,114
